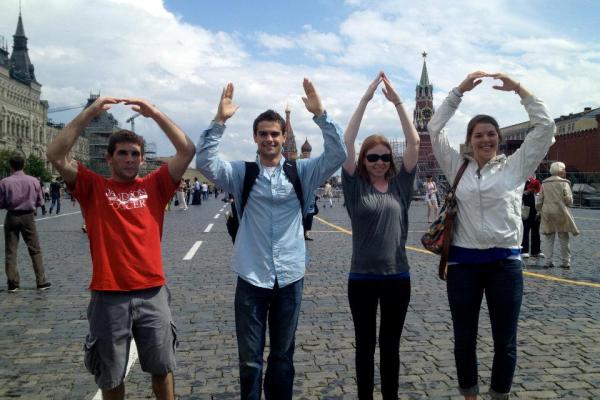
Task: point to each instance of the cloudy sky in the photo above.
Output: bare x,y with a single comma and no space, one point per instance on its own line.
180,53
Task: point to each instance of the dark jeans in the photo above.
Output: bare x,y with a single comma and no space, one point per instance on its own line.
254,306
531,225
55,200
502,283
394,296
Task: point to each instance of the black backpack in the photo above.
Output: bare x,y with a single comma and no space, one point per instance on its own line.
289,169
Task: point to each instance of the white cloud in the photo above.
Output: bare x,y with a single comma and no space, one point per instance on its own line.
132,48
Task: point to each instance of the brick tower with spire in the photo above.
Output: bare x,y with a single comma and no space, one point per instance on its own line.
290,151
422,115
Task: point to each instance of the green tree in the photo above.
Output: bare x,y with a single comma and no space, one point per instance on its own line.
4,167
35,166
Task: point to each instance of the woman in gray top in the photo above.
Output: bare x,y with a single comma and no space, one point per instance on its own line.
377,198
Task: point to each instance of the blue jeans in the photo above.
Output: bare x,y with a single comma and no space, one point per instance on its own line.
254,306
55,200
502,283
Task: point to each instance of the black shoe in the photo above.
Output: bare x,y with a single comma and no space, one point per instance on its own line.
44,286
308,238
547,266
565,266
12,287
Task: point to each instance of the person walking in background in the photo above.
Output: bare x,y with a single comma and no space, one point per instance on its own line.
328,194
204,191
554,202
485,251
378,195
307,221
20,195
431,198
196,192
43,206
55,189
531,221
181,196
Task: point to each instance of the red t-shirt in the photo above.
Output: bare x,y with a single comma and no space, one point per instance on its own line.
124,223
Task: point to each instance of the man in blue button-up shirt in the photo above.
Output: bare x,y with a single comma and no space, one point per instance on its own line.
269,254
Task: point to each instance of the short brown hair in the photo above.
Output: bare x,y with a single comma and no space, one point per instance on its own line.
269,116
367,145
482,119
124,136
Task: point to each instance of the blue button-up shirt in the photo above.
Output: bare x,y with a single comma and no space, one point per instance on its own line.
270,244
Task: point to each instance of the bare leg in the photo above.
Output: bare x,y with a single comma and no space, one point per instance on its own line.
164,386
117,393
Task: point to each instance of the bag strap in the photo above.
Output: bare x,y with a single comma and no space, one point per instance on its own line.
290,169
449,224
250,175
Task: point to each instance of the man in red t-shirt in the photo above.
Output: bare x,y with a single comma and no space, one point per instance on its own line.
124,217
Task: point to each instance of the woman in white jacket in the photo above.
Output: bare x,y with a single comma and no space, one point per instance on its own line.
485,253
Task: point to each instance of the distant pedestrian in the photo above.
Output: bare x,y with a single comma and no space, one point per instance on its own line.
531,221
554,202
196,193
55,193
378,196
307,221
43,206
188,191
181,196
20,195
125,214
204,191
431,198
328,194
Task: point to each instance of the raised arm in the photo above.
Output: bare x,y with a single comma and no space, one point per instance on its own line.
411,153
184,147
207,157
59,149
354,124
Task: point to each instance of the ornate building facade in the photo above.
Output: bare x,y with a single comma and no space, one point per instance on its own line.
24,124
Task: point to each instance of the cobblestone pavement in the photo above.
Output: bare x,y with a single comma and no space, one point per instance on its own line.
42,333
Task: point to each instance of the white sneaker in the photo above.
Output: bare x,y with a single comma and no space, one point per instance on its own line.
540,255
524,255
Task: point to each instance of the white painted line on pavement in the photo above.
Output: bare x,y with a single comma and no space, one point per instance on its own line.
217,216
208,228
133,355
56,216
192,252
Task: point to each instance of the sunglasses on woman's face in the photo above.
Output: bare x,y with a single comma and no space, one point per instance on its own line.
377,157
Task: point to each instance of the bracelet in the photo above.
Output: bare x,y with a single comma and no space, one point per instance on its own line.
518,87
397,104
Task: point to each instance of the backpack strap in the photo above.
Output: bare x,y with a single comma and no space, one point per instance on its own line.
290,169
250,176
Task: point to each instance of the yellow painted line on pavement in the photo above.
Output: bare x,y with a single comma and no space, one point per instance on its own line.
532,274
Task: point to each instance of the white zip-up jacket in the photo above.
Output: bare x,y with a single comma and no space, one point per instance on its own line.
489,199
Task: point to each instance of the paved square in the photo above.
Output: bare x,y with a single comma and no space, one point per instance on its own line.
42,333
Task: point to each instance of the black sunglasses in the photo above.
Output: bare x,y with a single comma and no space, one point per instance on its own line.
377,157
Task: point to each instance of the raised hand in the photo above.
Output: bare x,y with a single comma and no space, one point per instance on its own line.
226,105
508,83
102,104
312,100
373,86
472,80
389,91
142,106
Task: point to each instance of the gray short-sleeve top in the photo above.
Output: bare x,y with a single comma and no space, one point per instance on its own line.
379,223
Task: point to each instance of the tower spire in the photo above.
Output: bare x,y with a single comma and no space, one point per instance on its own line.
21,67
424,76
